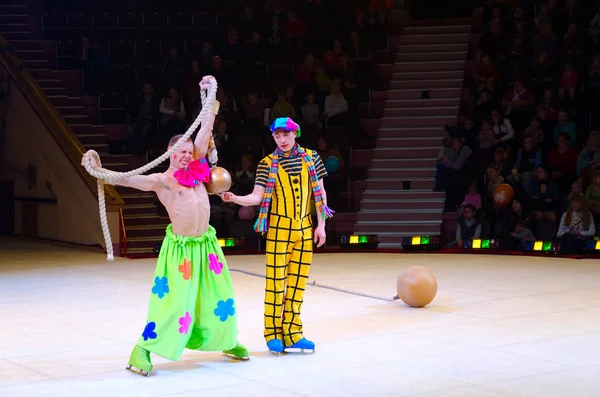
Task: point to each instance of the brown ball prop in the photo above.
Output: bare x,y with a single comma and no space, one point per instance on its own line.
220,181
416,286
503,195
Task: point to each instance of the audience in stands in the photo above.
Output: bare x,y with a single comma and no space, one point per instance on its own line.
535,83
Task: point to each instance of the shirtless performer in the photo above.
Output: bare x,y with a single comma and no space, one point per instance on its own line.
192,301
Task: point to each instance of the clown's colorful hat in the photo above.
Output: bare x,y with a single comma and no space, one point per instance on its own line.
287,124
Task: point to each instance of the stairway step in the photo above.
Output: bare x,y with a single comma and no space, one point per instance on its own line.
71,110
421,111
426,48
414,152
410,228
36,63
410,141
431,56
421,30
399,195
16,35
424,121
139,209
116,166
75,118
422,103
147,229
139,198
436,93
398,184
426,85
144,221
14,18
32,56
405,204
399,216
100,148
405,162
430,66
143,245
29,44
429,75
451,38
91,139
410,132
401,173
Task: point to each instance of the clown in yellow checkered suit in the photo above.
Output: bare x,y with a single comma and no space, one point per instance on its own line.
286,183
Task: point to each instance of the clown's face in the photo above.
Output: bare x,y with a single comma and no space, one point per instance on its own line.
285,140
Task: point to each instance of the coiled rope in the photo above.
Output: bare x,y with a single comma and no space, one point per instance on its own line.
104,176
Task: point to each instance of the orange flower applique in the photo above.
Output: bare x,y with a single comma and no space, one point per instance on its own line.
186,269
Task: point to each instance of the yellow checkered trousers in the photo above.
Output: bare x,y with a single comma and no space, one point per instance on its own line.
289,247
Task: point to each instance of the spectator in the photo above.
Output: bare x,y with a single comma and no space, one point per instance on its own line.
256,55
446,168
172,114
310,115
569,80
487,74
510,219
484,106
282,108
592,196
323,82
562,162
535,132
502,127
576,226
522,233
141,119
485,140
446,150
172,70
294,29
274,34
517,103
543,196
529,158
542,72
358,47
589,158
244,176
336,106
565,126
467,228
472,197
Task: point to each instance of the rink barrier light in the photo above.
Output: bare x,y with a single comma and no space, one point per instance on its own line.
229,243
477,243
365,241
421,243
542,246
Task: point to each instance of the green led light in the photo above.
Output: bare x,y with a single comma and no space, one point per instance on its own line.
363,239
425,240
485,244
230,242
547,246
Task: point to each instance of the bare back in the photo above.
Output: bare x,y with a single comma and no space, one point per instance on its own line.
188,207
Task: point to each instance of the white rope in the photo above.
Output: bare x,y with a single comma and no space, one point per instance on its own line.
110,177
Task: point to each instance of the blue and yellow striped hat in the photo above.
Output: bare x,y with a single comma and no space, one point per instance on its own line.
287,124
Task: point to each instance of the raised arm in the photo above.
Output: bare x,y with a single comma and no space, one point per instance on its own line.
206,129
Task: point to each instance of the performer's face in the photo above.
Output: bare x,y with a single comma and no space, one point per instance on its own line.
285,140
183,156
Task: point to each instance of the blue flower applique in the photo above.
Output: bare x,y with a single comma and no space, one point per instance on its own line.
225,309
161,287
149,331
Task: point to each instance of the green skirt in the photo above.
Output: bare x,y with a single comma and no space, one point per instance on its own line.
192,302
